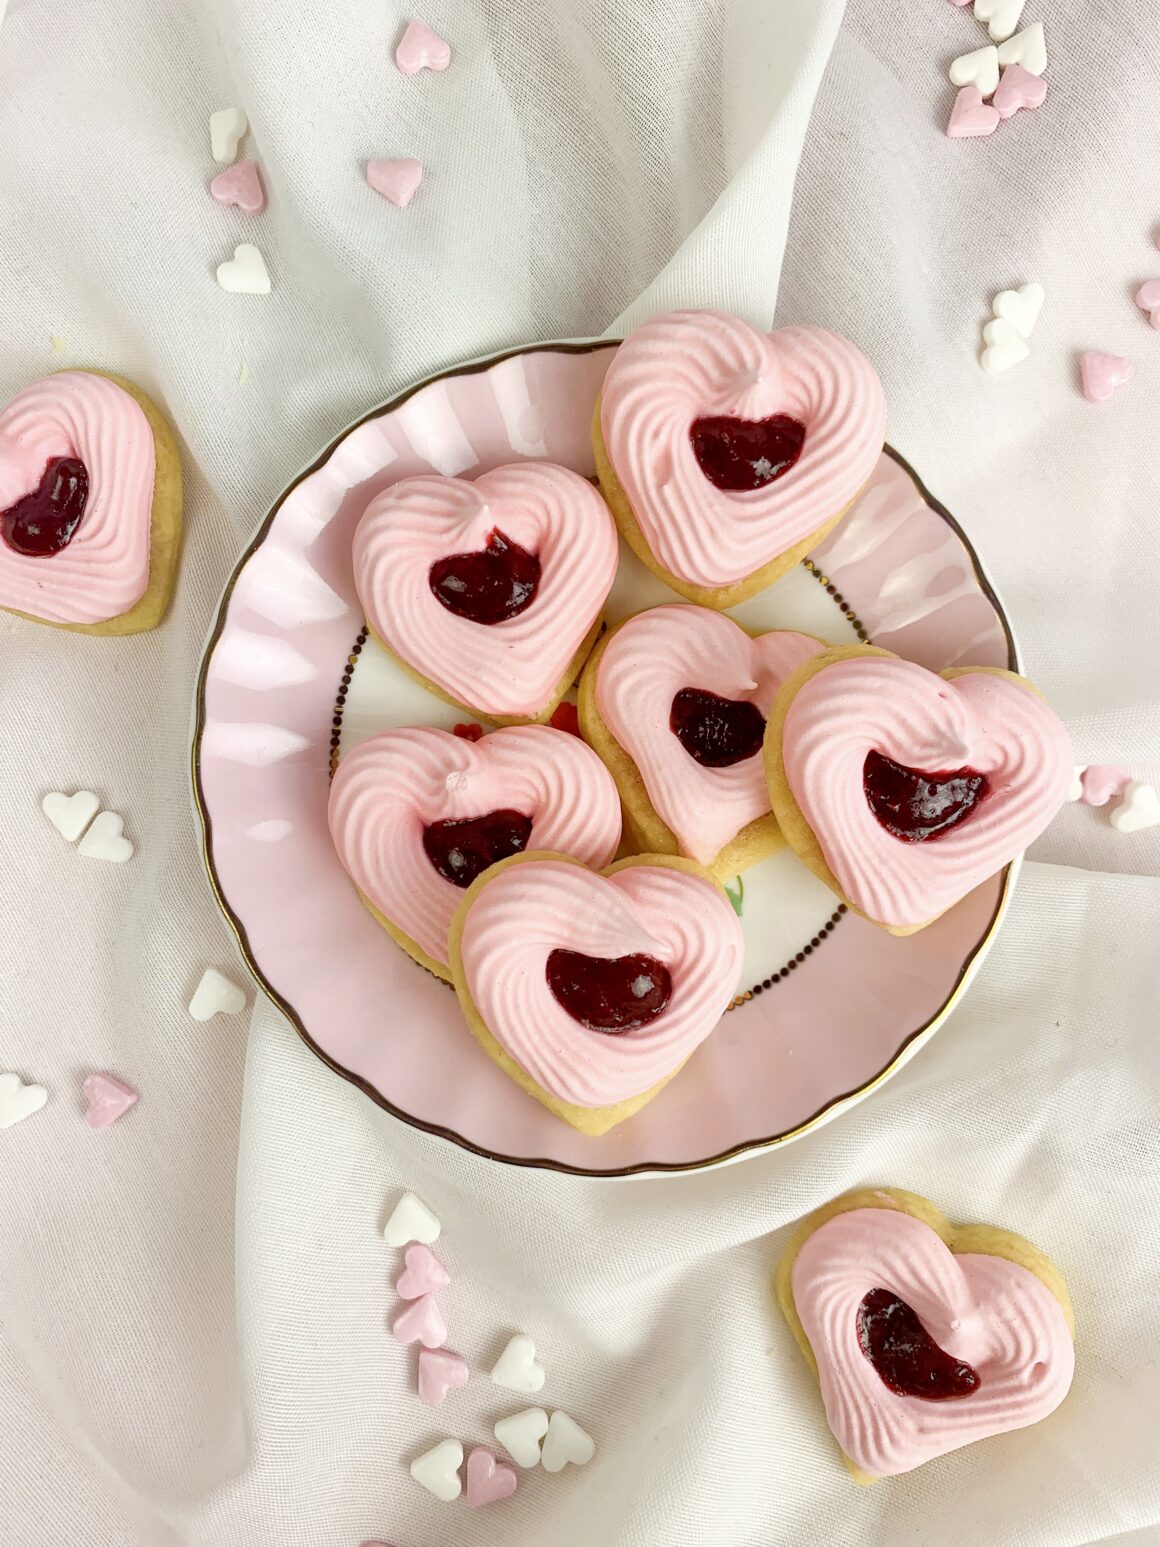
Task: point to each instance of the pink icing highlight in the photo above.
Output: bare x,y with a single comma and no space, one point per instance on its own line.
993,1314
988,723
389,787
105,568
530,909
690,364
509,668
644,665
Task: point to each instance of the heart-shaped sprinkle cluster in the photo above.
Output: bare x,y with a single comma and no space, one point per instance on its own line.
238,187
1005,336
1133,804
78,816
1010,74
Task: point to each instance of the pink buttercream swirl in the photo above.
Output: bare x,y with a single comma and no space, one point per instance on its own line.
391,786
530,909
105,567
646,663
691,364
507,668
990,724
994,1315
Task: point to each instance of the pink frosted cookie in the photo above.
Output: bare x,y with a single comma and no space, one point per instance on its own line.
416,815
924,1336
90,505
591,990
726,453
675,701
903,789
489,592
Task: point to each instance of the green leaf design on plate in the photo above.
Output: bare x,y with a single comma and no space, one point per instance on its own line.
736,897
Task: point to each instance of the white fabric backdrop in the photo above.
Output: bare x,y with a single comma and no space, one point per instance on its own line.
192,1348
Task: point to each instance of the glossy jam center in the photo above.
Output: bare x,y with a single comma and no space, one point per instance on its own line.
716,732
906,1357
609,993
741,454
461,850
43,522
916,806
489,586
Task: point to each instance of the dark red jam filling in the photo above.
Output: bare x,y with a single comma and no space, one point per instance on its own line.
489,586
461,850
468,731
716,732
741,454
916,806
906,1357
611,994
43,522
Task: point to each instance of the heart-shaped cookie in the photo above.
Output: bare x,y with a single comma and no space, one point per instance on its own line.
924,1336
725,453
591,990
903,789
675,701
489,592
417,814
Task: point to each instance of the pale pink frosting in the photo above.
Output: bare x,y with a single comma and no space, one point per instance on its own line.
389,787
105,568
998,1317
691,364
508,668
531,909
987,723
644,665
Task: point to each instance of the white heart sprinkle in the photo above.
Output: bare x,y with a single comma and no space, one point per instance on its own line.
1075,788
216,995
1028,48
411,1220
437,1470
227,130
17,1100
1139,808
520,1435
106,839
245,273
516,1367
979,68
1020,307
1000,17
1005,347
566,1441
70,814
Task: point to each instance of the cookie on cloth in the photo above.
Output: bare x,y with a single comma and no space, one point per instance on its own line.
726,453
90,505
591,989
903,789
488,591
924,1336
674,700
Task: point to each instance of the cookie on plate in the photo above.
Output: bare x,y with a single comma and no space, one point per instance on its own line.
591,989
902,788
674,700
489,591
90,505
726,453
924,1336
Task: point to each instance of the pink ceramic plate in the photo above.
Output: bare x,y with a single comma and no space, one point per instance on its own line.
831,1006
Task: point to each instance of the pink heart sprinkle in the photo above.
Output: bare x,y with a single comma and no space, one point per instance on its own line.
108,1099
423,1275
488,1480
1103,782
971,116
1018,88
1148,300
395,180
440,1371
1101,374
241,186
421,1321
421,49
